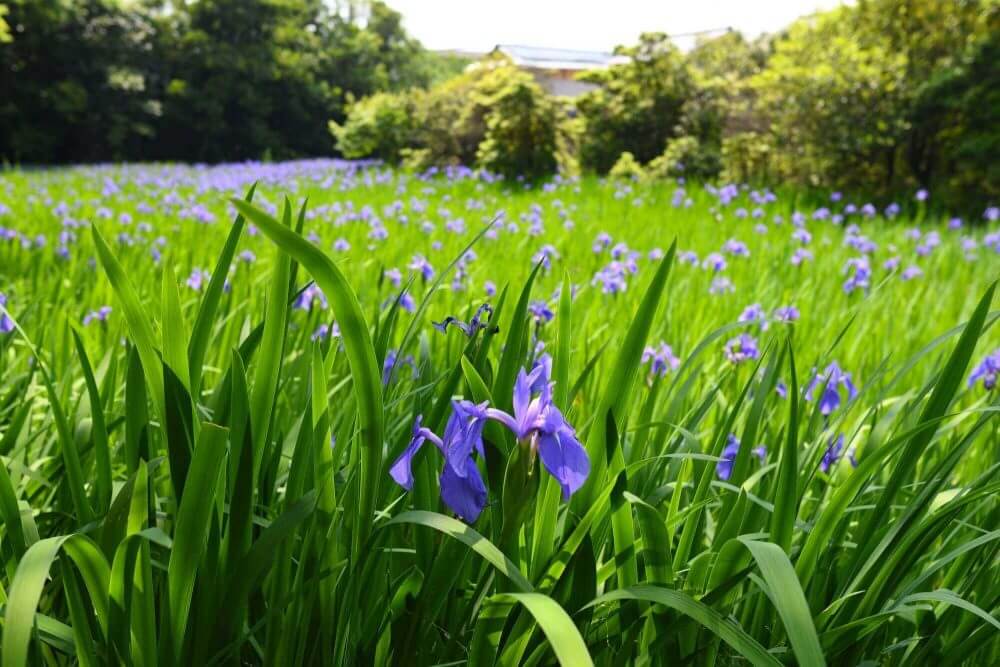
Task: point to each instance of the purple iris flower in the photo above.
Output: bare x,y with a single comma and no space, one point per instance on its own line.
476,324
394,276
541,312
833,453
688,257
859,274
6,324
311,295
611,278
198,278
464,491
393,362
341,245
661,359
326,331
911,272
741,348
987,370
538,423
736,248
721,285
99,315
602,241
714,261
832,381
754,313
892,263
420,263
921,195
800,256
786,314
490,288
724,468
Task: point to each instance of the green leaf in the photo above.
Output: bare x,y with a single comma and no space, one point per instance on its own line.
360,356
788,598
467,535
726,629
563,635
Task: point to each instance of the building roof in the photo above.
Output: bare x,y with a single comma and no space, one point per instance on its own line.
563,59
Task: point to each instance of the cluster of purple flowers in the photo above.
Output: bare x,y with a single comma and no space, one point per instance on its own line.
724,468
833,382
6,324
539,426
99,315
741,348
987,371
661,359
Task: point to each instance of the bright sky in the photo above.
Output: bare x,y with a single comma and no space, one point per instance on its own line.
478,25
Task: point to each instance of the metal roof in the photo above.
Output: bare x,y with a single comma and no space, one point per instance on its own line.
547,58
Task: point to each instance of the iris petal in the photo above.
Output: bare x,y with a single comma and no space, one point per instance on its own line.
565,459
465,496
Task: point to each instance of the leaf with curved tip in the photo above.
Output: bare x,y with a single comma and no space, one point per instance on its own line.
466,534
726,629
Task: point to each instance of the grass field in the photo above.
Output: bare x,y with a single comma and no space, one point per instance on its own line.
212,459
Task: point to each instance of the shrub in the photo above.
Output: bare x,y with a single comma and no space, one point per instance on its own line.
638,105
686,156
379,126
521,124
626,167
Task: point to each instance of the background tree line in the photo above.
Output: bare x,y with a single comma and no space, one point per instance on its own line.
210,80
882,96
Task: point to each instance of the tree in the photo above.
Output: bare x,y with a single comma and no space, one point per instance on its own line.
637,106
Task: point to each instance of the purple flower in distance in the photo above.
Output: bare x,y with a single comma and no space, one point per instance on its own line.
721,285
310,296
197,279
688,257
393,362
741,348
476,324
859,274
911,272
394,276
832,382
736,248
419,263
754,313
800,256
987,371
661,359
786,314
6,324
541,312
921,195
833,453
724,468
99,315
602,241
715,261
326,331
490,288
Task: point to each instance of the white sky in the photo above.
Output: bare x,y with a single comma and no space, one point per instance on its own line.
479,25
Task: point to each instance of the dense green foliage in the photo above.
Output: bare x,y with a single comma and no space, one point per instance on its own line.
196,466
879,98
99,80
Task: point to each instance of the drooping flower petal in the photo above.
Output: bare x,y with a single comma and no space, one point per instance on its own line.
565,459
465,496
